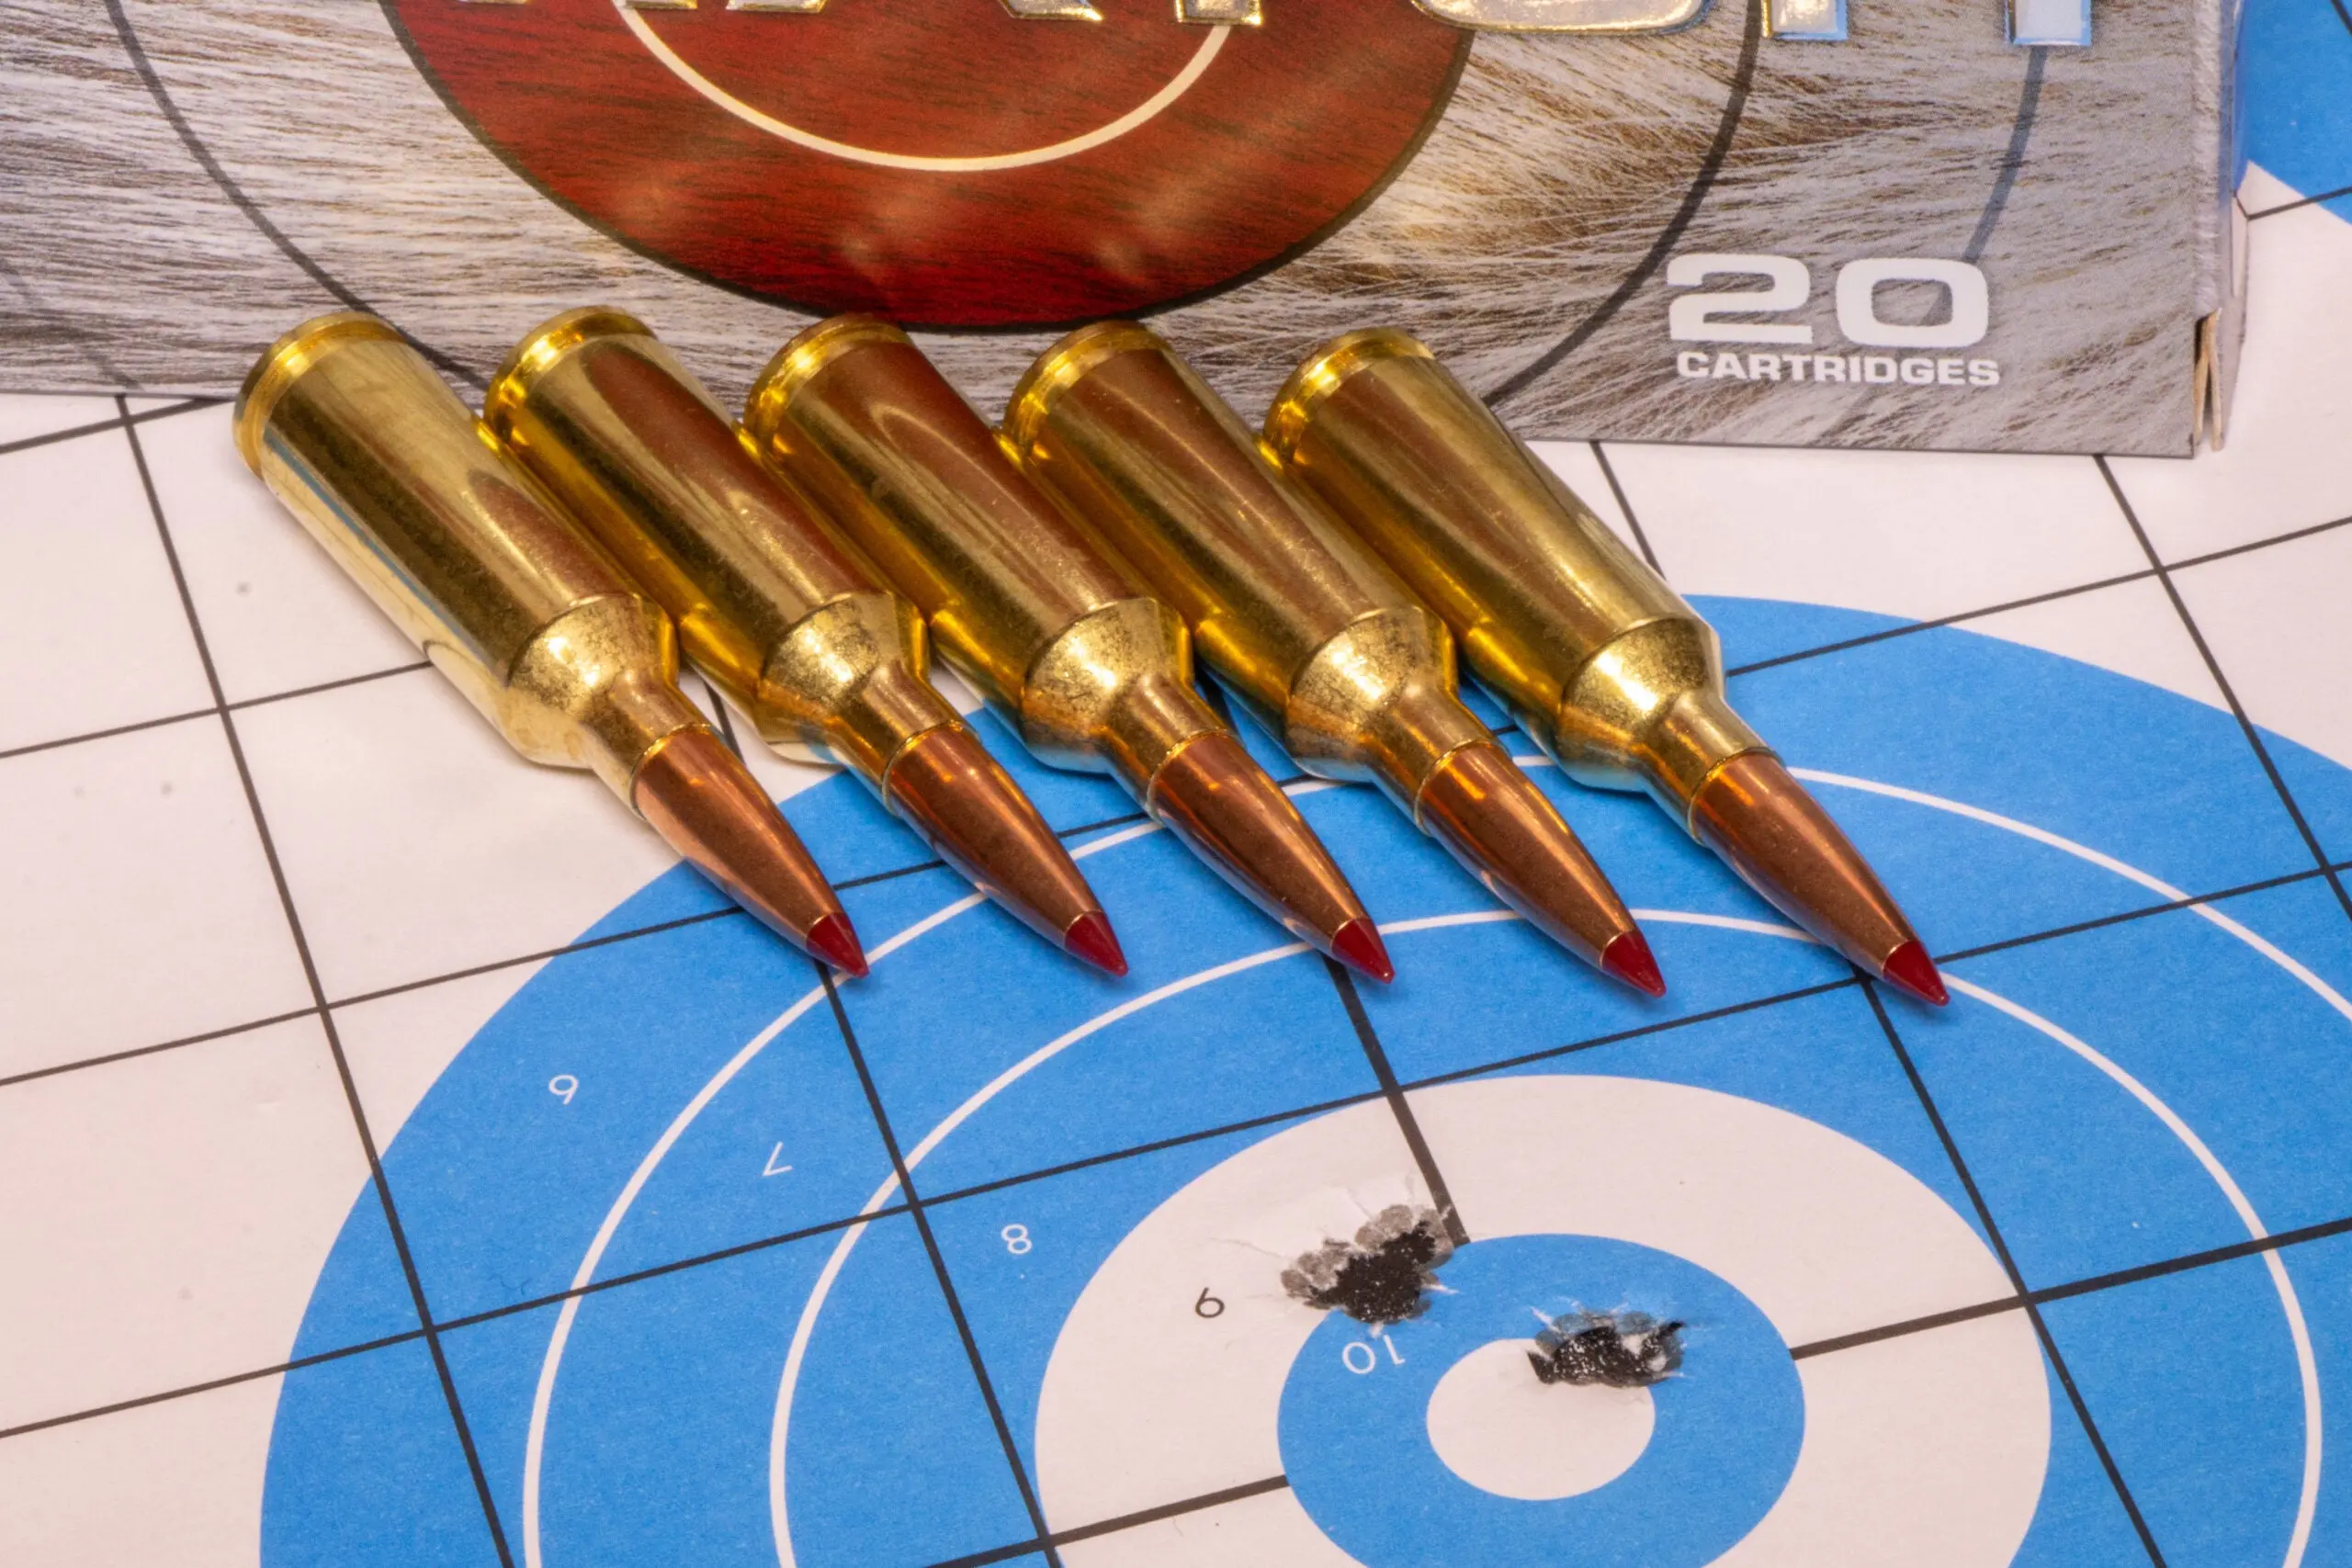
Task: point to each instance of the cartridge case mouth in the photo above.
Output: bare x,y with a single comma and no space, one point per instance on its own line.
1061,367
287,361
1323,372
542,351
798,363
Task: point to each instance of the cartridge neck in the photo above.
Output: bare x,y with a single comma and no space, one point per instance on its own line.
1378,703
867,425
1648,712
1114,693
845,684
597,689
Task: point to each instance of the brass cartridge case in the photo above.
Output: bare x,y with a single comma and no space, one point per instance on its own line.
1604,664
1327,647
779,610
1092,672
770,601
523,613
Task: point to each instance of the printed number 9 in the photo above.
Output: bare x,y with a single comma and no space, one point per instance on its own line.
563,1086
1016,1239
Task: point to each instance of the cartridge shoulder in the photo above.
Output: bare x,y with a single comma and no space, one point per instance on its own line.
1070,701
1378,701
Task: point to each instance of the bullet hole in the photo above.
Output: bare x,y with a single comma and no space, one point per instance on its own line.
1622,1349
1379,1278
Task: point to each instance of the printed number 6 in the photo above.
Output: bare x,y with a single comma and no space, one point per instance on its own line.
1016,1239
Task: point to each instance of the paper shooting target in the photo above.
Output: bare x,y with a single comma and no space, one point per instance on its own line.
660,1205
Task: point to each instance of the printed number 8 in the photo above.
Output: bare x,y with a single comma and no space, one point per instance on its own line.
1016,1239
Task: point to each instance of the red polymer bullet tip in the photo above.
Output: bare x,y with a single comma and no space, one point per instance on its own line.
1090,938
1628,957
1910,968
1357,944
833,940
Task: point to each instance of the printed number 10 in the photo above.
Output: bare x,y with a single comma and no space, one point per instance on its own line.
1692,318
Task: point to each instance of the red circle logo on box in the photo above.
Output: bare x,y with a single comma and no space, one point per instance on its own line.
944,162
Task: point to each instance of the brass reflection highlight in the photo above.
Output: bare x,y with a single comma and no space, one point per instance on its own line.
1093,671
1607,668
519,610
1332,652
773,604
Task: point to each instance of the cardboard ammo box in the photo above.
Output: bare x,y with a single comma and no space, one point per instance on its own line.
1975,224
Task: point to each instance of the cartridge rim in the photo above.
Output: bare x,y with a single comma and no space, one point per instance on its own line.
287,361
544,348
798,363
1321,373
1061,367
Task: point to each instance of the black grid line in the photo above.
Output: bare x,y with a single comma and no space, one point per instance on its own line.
2182,563
724,720
1399,1106
1156,1146
583,945
2145,911
676,1266
730,912
99,428
1625,508
1960,617
2276,1242
319,1001
914,1206
133,727
1207,1500
2049,1293
1217,698
1638,1031
210,1386
2336,194
134,1052
1911,628
2229,694
191,715
2017,1280
2233,1252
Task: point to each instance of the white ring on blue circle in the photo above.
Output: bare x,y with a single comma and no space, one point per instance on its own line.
552,1362
1725,1436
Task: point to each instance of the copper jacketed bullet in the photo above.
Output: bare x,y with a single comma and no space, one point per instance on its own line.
1323,642
771,603
1091,670
520,609
1605,665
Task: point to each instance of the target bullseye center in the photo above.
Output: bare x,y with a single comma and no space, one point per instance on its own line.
1499,1428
